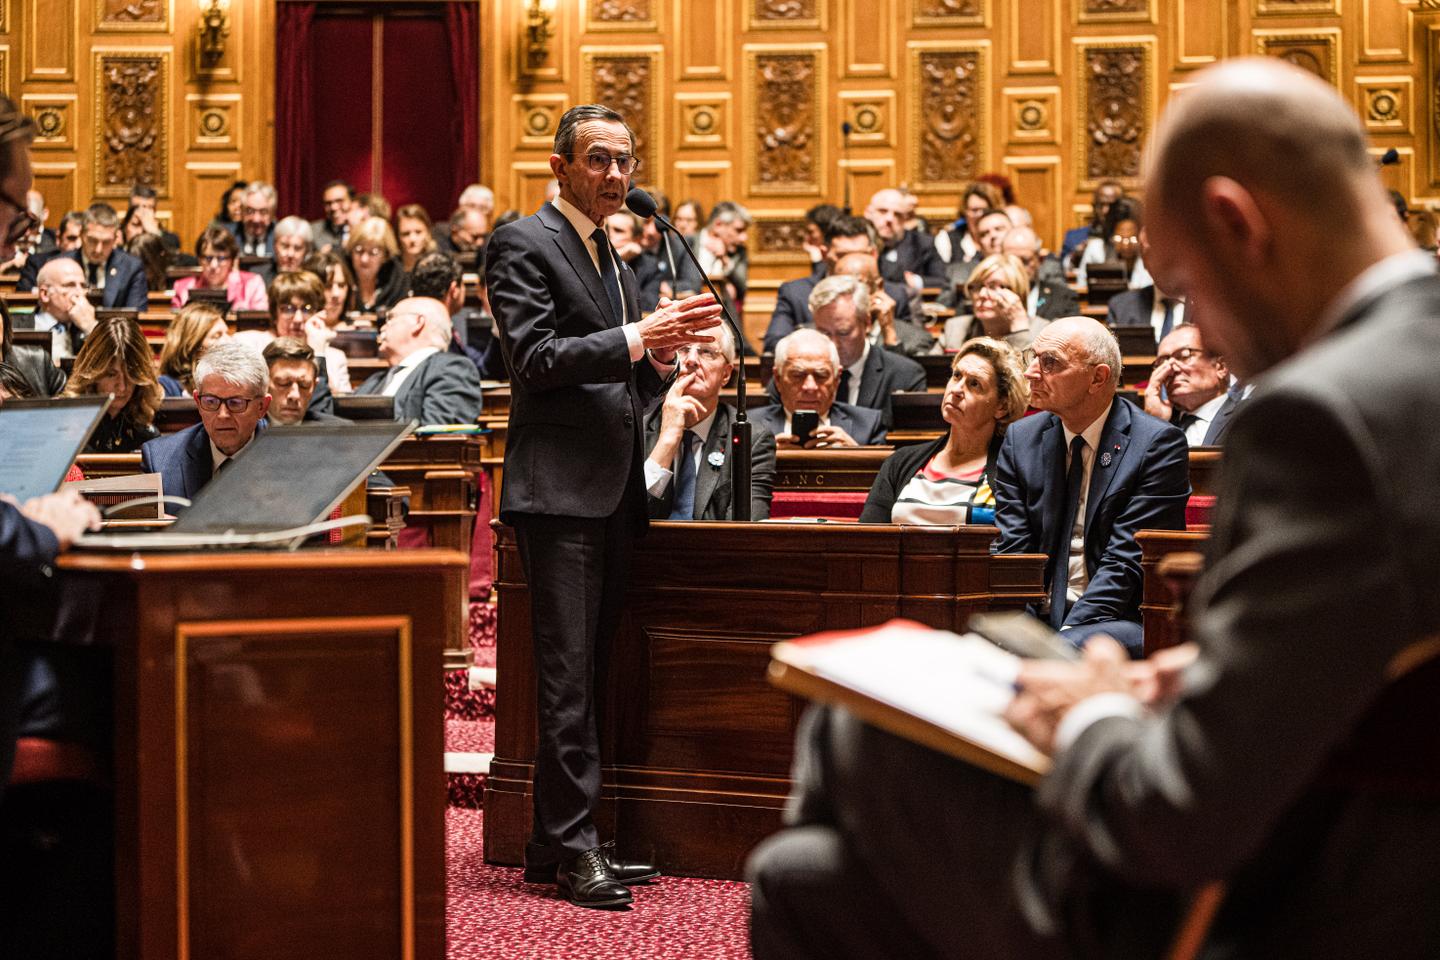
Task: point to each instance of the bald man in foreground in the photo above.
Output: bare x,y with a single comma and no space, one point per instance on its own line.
1292,753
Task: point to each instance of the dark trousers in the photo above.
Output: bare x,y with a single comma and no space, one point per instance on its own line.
577,569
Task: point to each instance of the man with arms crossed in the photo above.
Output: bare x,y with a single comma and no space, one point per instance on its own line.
584,364
1256,763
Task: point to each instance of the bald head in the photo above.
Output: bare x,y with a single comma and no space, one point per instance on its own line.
59,285
886,214
1075,370
414,323
861,266
58,270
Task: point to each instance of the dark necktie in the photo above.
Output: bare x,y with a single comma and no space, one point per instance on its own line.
1168,323
1060,578
684,508
94,276
843,393
1187,420
607,273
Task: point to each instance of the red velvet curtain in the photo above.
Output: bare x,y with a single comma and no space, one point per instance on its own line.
461,20
294,103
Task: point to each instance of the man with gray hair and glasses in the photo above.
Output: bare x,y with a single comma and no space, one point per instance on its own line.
232,393
256,230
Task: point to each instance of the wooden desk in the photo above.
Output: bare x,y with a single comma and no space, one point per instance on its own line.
279,785
1158,605
440,472
697,744
850,469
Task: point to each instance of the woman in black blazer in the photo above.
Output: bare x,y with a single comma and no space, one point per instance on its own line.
948,481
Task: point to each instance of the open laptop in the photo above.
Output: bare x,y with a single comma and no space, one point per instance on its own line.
284,480
39,440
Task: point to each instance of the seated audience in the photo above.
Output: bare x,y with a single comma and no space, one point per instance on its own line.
369,205
439,277
380,281
104,267
231,393
1050,297
998,290
157,258
1147,307
466,231
1093,573
42,377
41,239
840,307
220,270
687,441
807,375
721,247
332,230
428,383
906,256
334,273
960,242
679,277
62,307
232,207
1073,245
477,198
949,481
1119,243
887,328
689,215
817,220
144,205
293,375
412,229
191,332
1190,387
297,310
255,233
990,232
294,241
117,360
68,233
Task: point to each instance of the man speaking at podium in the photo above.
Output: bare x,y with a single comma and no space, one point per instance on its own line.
583,366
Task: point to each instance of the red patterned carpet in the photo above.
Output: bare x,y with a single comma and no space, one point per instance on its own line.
494,915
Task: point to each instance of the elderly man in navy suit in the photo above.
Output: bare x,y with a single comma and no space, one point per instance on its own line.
1078,481
233,395
807,376
118,274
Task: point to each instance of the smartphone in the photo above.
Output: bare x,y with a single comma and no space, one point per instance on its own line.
1023,635
803,425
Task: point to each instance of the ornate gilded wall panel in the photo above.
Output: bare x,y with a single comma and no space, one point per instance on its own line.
708,181
54,115
784,143
870,114
1432,99
868,34
141,16
1033,114
1292,8
537,117
212,121
776,237
1126,11
57,183
1115,87
132,109
620,14
1387,33
1034,35
948,13
1385,103
703,119
628,79
785,14
950,92
1315,50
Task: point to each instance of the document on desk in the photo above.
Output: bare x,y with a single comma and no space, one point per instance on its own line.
942,690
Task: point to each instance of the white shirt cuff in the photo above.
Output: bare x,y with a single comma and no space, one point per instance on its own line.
632,339
657,478
1092,710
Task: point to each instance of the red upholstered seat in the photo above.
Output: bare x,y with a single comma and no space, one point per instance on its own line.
809,505
1199,509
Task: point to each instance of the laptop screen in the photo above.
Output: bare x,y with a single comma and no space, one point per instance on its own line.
39,440
290,476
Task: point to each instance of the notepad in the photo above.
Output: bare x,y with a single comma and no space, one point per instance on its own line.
939,689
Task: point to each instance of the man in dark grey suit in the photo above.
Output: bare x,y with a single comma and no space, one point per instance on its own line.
840,307
687,441
120,275
428,383
580,378
1291,752
1190,387
1137,308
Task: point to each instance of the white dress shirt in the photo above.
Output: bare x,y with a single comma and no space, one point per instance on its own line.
60,347
856,371
1157,313
586,228
402,370
657,478
1204,415
1079,578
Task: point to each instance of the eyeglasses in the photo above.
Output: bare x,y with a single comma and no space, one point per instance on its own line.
215,258
700,351
24,221
210,403
798,375
1183,355
1049,363
600,163
290,309
73,286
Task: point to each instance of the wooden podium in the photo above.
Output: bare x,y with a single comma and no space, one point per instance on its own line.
280,790
696,742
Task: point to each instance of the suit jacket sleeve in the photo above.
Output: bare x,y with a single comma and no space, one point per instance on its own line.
782,323
932,267
136,297
1157,503
910,376
525,310
762,472
1298,615
452,393
24,543
322,401
1014,536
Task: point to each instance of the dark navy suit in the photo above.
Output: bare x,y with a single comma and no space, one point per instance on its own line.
792,307
862,423
1144,486
124,278
183,461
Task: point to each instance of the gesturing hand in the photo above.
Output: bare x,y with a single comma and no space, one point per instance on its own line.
66,513
676,323
1155,403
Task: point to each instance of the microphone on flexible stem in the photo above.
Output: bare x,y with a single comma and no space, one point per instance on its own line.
643,205
845,129
1391,156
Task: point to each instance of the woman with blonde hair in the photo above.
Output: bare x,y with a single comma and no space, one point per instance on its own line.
194,328
297,310
380,281
998,291
116,359
949,481
413,228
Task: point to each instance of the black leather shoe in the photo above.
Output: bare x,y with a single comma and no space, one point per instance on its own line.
540,872
624,871
586,881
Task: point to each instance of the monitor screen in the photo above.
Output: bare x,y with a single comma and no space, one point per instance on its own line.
39,440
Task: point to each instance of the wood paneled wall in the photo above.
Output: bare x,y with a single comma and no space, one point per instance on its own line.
744,99
120,95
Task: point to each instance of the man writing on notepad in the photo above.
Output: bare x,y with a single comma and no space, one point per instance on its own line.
1295,757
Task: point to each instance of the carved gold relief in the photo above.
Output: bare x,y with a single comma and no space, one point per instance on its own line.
1115,87
942,13
1290,8
1123,10
1033,113
131,106
54,115
784,141
621,14
793,14
538,116
779,236
147,16
213,120
950,94
1387,103
628,81
702,119
1314,50
868,113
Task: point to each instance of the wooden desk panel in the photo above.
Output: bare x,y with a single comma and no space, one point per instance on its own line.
244,682
697,743
1158,605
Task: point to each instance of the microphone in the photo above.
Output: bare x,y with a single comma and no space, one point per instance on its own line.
1391,156
643,205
